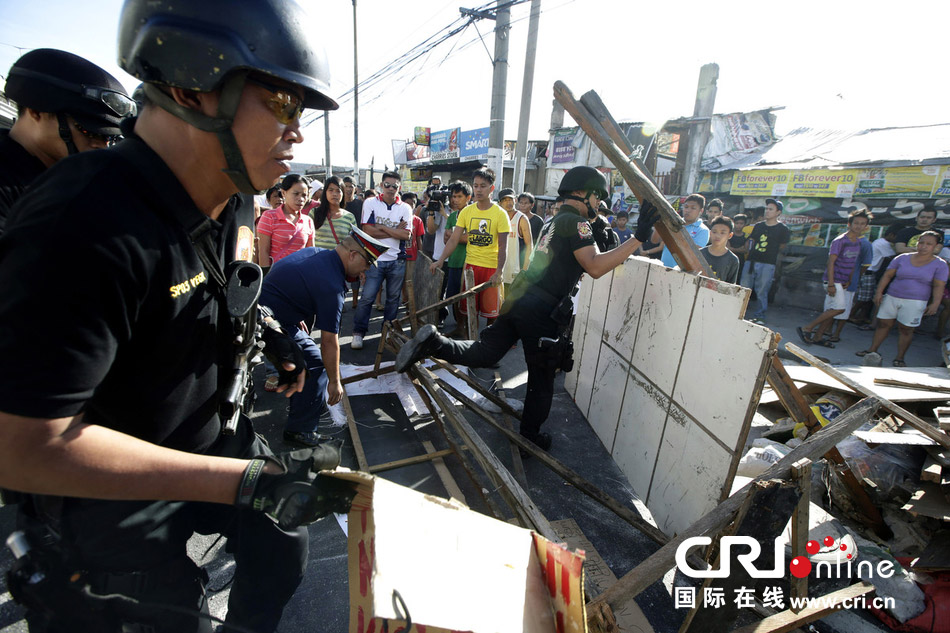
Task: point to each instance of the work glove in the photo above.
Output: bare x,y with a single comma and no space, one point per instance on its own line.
649,214
604,236
279,348
298,495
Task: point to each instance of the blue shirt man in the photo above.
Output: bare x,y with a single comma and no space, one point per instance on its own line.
692,210
305,290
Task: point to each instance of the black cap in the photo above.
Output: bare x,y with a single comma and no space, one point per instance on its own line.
507,192
778,203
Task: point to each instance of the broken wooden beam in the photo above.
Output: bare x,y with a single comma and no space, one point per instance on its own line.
503,480
354,433
516,463
670,226
918,386
470,305
798,408
801,475
900,412
446,302
568,474
409,461
664,559
819,608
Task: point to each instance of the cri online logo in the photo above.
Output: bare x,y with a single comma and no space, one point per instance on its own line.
834,554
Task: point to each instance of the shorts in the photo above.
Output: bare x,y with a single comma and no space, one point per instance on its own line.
488,301
908,312
841,301
866,286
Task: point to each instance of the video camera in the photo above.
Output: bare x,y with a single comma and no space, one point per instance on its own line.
438,196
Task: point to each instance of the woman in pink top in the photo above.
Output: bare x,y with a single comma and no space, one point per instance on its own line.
914,284
288,228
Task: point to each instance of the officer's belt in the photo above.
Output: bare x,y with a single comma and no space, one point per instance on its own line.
543,295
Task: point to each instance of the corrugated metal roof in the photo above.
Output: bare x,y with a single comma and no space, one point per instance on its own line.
804,148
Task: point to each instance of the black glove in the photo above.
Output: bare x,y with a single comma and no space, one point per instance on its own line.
604,236
298,496
649,214
280,348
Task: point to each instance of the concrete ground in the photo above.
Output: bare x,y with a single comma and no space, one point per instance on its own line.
321,603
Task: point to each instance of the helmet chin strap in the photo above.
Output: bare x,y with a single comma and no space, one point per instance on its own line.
66,134
220,125
586,200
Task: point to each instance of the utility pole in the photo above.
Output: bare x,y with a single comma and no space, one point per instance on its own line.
496,131
521,149
356,105
326,135
699,130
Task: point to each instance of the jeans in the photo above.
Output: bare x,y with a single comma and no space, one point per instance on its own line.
393,273
758,277
307,406
528,319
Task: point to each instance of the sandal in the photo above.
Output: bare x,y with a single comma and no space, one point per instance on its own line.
834,339
899,362
824,343
806,337
863,352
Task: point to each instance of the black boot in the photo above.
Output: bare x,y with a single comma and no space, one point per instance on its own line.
417,347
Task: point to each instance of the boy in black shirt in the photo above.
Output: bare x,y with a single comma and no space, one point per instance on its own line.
724,264
767,241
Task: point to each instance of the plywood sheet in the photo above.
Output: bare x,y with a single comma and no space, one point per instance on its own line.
426,288
937,376
692,367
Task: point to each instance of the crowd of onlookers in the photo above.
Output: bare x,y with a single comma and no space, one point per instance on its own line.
898,279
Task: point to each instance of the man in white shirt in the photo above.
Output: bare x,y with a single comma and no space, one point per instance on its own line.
388,219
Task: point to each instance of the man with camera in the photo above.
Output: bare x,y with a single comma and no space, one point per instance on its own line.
539,309
112,429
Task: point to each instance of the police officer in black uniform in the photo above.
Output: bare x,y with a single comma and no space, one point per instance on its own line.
65,104
539,307
112,418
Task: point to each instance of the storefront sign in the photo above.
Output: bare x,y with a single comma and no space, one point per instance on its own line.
897,182
444,145
474,143
563,150
823,183
760,182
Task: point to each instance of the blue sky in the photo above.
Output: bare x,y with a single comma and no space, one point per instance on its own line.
833,63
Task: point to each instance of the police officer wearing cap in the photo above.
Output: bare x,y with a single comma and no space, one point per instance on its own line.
539,308
308,287
112,420
65,105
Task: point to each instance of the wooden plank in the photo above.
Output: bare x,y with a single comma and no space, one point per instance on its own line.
506,408
789,620
771,505
382,344
901,438
354,433
790,396
469,469
670,226
471,309
929,501
664,559
931,470
940,437
569,475
865,376
409,461
801,475
889,382
943,418
373,373
413,317
629,618
446,302
936,556
451,486
516,463
505,483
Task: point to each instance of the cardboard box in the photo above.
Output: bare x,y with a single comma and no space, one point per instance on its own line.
453,569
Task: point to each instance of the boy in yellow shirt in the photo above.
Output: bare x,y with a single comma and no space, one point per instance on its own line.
486,226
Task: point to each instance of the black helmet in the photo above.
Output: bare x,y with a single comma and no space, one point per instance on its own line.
583,178
213,45
196,45
49,80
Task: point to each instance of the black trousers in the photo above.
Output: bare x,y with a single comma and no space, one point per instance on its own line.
527,319
113,541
